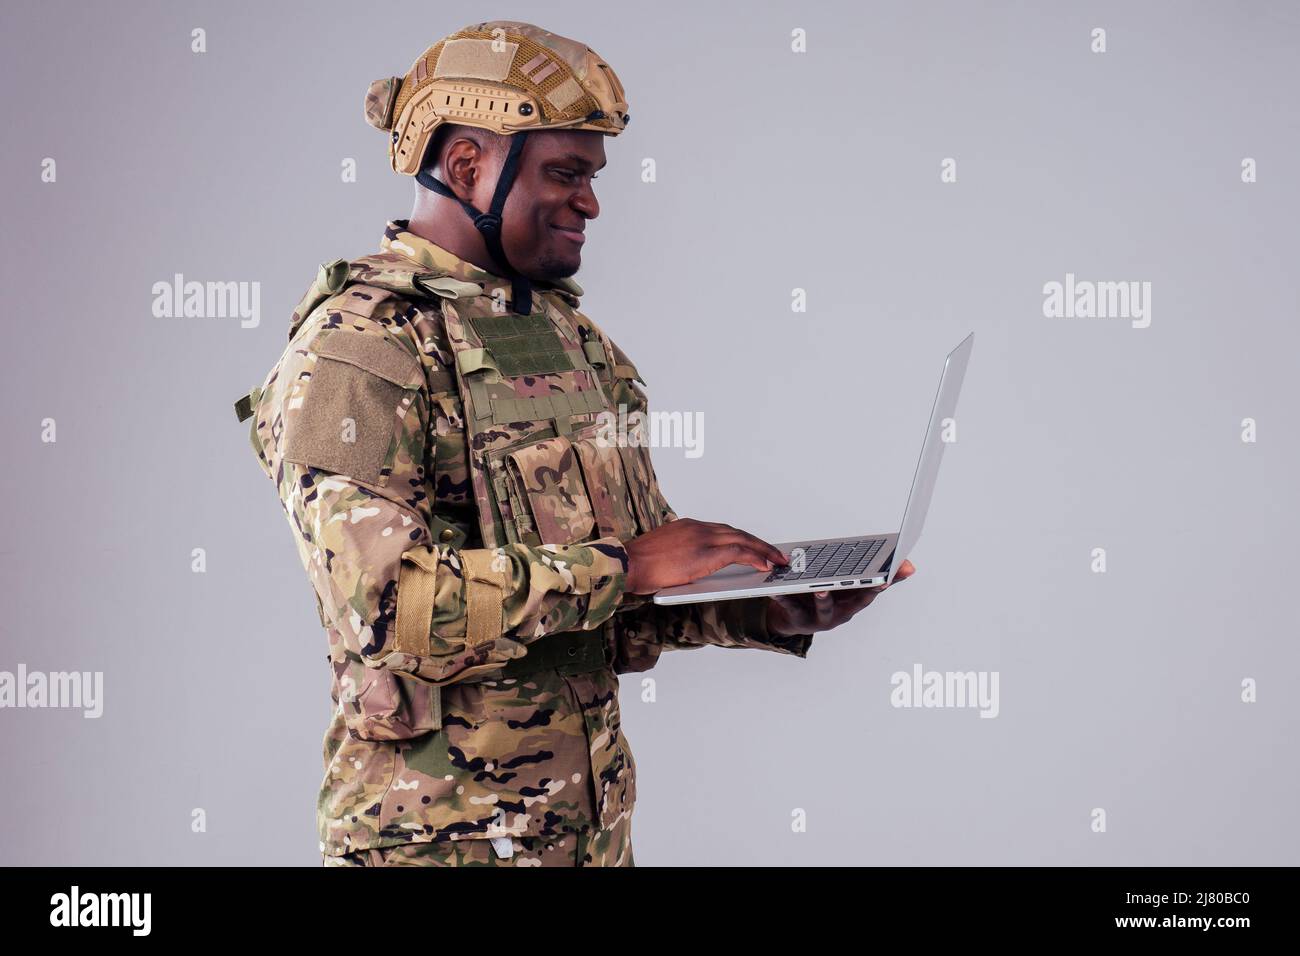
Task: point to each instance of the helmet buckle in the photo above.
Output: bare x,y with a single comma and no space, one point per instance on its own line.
487,222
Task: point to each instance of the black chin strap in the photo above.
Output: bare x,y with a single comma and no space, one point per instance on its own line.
489,223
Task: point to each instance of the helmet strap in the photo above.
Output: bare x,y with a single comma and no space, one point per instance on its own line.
489,223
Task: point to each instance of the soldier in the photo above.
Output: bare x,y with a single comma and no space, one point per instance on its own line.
482,558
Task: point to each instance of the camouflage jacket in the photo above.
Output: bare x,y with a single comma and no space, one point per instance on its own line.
433,456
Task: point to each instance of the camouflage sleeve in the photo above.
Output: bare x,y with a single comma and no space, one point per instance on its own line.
402,602
643,633
349,445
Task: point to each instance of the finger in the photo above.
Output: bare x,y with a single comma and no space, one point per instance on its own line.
851,602
823,610
742,552
905,571
845,605
714,558
769,551
753,557
793,615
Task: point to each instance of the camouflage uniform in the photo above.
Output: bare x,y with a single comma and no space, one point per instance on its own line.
463,528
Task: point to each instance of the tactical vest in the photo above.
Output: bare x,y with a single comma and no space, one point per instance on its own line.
527,390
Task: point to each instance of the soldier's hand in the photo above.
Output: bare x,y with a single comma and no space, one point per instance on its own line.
790,614
686,550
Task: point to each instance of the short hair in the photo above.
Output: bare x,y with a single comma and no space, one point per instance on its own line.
486,140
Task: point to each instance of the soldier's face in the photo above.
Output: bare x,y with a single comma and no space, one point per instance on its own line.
551,201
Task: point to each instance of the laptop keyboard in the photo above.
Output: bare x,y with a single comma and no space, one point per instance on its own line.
832,560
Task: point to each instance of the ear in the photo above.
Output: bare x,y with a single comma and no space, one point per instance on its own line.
463,167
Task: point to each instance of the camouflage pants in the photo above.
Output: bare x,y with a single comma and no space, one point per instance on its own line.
588,847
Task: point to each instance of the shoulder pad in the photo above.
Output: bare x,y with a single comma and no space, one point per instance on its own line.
388,270
330,278
383,275
355,300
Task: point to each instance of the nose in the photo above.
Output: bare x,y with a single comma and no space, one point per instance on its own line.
584,201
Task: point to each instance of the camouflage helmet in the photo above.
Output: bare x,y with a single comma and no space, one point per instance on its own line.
503,76
506,77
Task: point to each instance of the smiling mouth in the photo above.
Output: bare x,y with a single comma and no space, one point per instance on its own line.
573,235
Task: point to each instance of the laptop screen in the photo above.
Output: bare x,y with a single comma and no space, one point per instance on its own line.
927,468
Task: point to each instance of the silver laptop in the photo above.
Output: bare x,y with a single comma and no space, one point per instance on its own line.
838,563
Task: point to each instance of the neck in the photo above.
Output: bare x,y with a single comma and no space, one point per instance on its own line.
444,223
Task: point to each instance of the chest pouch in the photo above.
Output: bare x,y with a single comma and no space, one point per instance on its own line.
562,489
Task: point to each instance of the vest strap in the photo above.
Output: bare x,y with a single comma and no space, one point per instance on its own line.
484,596
416,588
469,361
245,405
445,287
595,353
569,652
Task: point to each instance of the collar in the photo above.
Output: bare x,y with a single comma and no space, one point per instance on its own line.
399,239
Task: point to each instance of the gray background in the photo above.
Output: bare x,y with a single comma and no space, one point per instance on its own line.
775,171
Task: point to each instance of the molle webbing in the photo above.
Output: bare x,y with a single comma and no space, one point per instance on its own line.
560,406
